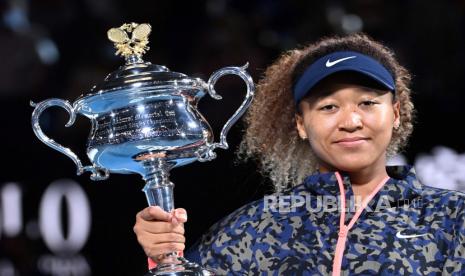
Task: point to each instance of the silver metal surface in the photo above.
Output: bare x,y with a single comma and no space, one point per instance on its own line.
239,71
139,121
98,173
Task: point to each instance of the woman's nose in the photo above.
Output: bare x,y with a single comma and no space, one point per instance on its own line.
351,121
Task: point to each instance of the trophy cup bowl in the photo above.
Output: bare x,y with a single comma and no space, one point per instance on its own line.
145,121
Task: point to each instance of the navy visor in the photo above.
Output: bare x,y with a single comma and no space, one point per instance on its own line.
342,61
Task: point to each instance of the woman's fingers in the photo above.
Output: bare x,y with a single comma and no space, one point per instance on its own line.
153,247
160,232
179,215
155,221
154,213
164,238
157,227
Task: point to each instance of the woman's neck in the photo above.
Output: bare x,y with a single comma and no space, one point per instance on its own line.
365,180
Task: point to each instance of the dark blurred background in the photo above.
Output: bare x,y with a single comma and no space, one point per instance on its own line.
53,222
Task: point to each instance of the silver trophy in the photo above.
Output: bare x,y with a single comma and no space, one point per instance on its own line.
145,121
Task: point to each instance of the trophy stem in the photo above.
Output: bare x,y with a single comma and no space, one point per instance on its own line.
159,192
132,59
158,188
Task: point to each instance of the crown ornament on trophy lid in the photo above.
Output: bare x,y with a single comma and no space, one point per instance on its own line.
145,121
131,41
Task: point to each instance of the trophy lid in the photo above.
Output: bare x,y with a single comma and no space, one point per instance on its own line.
135,78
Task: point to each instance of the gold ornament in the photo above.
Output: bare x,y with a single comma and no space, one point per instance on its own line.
134,46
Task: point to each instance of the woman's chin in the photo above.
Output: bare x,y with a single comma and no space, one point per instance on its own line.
352,165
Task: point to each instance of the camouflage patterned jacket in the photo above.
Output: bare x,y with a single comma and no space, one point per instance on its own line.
407,229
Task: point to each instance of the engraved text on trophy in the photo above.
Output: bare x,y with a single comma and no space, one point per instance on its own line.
166,120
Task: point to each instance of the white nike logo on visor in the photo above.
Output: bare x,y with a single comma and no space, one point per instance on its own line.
331,63
402,236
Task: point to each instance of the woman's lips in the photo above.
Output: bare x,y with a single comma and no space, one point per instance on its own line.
351,142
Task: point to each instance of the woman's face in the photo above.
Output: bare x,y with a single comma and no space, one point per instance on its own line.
349,126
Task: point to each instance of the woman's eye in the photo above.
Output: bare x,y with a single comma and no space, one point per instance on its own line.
328,107
368,103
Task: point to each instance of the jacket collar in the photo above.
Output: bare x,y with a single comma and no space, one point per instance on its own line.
402,186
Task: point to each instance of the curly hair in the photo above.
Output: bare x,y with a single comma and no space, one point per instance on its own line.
271,136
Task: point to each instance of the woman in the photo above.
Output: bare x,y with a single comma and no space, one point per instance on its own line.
324,121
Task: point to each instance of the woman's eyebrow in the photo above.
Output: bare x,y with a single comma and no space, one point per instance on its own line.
374,90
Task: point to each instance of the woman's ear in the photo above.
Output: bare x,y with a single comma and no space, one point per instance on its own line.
299,120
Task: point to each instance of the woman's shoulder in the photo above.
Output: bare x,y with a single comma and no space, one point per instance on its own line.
442,196
434,197
446,205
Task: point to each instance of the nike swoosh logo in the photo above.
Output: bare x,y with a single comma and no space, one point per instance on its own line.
402,236
331,63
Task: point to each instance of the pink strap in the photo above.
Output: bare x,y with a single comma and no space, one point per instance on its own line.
152,263
344,229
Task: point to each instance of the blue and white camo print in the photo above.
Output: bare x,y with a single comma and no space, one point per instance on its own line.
418,230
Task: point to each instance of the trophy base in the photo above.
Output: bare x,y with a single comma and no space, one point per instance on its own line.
182,268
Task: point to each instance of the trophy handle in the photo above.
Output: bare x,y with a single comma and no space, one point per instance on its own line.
97,172
239,71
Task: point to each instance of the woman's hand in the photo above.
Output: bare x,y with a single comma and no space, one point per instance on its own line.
160,232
